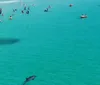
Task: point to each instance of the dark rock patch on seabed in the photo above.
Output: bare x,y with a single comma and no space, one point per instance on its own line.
4,41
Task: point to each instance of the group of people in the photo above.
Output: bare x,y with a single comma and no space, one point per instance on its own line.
14,10
27,11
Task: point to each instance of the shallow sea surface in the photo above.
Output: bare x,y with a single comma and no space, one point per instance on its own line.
58,47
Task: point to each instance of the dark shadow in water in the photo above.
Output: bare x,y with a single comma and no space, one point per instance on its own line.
98,5
4,41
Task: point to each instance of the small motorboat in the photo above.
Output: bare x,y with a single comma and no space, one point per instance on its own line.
83,16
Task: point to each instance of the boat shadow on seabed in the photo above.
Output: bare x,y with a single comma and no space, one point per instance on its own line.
5,41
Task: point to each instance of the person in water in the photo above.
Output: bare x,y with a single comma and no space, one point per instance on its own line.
22,11
15,9
70,5
10,17
46,10
0,10
25,8
27,12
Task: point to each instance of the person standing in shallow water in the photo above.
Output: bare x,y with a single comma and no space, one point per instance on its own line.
25,8
0,10
10,18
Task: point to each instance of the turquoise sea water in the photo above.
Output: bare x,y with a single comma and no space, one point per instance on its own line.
58,47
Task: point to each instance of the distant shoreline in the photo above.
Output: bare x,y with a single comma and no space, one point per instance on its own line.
7,2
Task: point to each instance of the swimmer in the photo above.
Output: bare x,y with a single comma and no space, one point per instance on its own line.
0,10
15,9
10,17
46,10
70,5
22,11
27,12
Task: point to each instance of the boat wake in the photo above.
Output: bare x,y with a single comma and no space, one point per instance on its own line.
10,1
